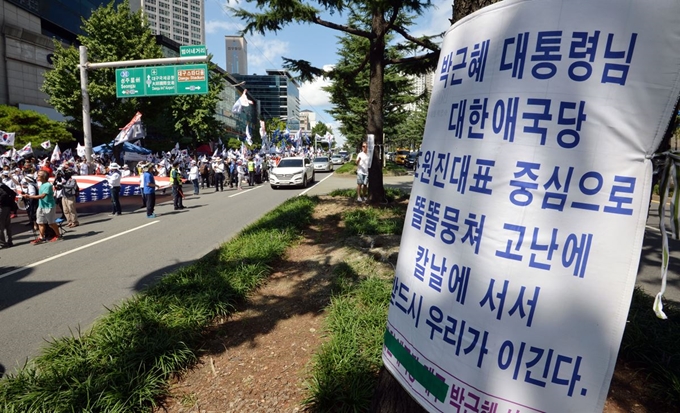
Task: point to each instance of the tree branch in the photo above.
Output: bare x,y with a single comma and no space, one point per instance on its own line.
413,59
424,44
342,28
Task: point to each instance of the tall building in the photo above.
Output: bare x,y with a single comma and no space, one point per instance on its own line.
420,84
180,20
26,46
278,94
237,54
307,120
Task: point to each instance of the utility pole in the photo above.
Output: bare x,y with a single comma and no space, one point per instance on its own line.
84,66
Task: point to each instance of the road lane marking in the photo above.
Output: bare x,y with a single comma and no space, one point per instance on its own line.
63,254
243,192
317,183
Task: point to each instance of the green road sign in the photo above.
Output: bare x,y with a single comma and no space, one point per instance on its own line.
162,81
192,51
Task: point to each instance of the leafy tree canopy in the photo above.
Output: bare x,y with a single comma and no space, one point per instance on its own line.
385,17
31,126
115,33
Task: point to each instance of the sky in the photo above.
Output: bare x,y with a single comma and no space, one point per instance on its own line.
313,43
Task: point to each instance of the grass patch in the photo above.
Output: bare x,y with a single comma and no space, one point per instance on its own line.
368,221
344,372
345,368
124,362
392,194
390,169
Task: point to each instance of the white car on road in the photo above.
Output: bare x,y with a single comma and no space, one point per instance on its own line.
296,171
322,164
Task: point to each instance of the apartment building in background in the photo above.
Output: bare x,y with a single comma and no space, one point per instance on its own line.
236,48
180,20
26,47
278,94
307,120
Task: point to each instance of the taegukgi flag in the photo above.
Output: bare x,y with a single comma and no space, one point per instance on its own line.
7,138
524,230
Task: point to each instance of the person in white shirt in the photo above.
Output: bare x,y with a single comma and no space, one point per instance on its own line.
113,178
84,169
193,176
362,173
125,172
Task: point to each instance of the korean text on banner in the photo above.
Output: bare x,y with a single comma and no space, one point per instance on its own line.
523,233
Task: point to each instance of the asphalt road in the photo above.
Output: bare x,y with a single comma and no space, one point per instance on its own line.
57,289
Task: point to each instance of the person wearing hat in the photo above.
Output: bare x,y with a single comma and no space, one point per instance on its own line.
113,178
193,175
69,192
125,171
240,172
218,167
149,190
176,181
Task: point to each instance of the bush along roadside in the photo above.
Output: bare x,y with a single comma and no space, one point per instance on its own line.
124,362
344,372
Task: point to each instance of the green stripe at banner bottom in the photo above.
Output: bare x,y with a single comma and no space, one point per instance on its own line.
436,386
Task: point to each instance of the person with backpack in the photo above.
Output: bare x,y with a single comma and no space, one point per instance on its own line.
69,194
7,200
204,171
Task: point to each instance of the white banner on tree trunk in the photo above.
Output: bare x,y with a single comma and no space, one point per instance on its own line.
524,229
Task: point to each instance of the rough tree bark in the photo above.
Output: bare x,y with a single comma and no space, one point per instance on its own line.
389,396
376,192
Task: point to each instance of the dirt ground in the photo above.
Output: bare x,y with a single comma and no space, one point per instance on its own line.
258,359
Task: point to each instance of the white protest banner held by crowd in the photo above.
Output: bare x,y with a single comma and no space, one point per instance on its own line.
524,230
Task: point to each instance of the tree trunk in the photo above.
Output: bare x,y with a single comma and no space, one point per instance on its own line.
390,396
462,8
376,191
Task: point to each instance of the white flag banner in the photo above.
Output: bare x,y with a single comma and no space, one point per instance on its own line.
128,131
7,138
27,149
241,103
249,139
80,150
46,145
56,154
523,235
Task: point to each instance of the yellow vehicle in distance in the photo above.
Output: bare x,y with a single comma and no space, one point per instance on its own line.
401,155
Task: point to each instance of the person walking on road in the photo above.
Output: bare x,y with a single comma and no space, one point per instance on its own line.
149,190
362,173
251,172
46,214
68,199
113,178
240,172
218,167
176,181
193,176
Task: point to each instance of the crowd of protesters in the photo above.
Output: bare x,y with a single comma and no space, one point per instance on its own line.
43,187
